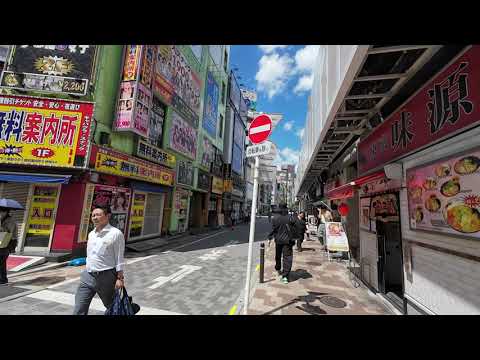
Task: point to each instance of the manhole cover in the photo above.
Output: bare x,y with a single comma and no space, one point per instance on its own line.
333,302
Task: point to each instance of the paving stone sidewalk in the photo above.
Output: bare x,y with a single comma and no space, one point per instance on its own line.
316,287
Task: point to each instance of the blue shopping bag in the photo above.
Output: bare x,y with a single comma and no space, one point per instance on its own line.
122,304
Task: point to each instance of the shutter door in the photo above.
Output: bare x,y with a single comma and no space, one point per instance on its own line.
153,213
18,192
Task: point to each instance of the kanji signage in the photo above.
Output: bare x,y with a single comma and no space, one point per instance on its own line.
203,181
116,163
444,106
152,153
44,132
185,173
257,150
50,68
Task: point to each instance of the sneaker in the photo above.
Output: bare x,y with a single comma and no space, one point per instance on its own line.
284,280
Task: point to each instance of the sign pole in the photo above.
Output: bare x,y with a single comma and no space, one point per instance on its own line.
252,234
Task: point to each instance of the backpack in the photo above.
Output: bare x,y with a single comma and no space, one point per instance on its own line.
285,233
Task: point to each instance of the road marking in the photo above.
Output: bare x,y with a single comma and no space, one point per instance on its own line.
69,299
207,237
232,310
140,259
212,255
177,276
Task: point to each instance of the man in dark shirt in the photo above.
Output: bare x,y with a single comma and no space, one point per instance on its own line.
282,231
299,230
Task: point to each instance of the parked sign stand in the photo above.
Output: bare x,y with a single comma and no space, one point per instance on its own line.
258,132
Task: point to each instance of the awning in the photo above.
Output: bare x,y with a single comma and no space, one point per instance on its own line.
31,178
341,192
142,186
367,178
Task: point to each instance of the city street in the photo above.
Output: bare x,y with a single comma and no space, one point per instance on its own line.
203,276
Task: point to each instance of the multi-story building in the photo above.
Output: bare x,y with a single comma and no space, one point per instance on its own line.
285,186
122,130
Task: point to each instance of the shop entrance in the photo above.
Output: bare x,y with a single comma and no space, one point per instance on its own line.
389,241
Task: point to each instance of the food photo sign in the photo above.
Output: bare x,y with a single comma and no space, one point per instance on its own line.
444,196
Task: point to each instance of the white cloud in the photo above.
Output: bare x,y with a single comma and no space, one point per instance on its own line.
267,49
304,84
273,73
305,58
300,133
288,125
286,156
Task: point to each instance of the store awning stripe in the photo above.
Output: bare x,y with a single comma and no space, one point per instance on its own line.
33,179
342,192
372,177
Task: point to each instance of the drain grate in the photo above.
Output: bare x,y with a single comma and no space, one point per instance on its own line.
333,301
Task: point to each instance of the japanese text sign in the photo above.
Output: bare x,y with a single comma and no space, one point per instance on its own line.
217,185
152,153
183,137
260,149
442,107
116,163
44,132
210,113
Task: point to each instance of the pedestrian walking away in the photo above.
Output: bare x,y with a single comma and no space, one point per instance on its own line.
105,263
300,227
282,232
8,241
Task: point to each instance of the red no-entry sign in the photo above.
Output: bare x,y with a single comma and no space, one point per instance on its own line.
260,129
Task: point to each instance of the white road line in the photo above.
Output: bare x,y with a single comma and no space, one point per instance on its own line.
69,299
140,259
206,237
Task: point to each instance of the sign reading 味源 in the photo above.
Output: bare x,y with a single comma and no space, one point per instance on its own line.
44,132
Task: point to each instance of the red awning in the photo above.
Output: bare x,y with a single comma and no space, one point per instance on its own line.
341,192
367,178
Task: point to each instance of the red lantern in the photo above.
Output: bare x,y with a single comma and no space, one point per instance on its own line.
343,209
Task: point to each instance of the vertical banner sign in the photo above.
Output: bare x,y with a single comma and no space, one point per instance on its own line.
444,106
132,61
44,132
208,152
211,106
87,205
50,68
148,58
183,137
126,103
157,119
42,210
137,214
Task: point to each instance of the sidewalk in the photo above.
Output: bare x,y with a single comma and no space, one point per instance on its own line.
316,287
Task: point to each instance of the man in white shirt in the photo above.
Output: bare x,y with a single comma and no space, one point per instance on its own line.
105,263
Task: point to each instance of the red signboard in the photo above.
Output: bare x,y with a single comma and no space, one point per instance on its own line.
445,105
260,129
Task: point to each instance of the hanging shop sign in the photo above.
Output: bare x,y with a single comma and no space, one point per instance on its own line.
444,196
42,210
210,113
152,153
137,214
203,180
185,173
116,163
208,153
176,83
157,119
148,58
50,68
443,107
133,108
183,137
44,132
132,62
217,185
336,238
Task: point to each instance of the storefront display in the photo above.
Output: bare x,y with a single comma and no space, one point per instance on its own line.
444,196
44,132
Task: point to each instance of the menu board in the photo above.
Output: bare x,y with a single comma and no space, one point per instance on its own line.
445,196
336,238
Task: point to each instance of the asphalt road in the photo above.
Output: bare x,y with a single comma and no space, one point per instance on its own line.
203,277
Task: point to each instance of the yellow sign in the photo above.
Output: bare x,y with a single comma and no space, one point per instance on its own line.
217,185
87,206
42,210
137,214
44,132
228,185
153,153
116,163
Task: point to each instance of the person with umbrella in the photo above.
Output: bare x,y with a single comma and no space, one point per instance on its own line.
8,235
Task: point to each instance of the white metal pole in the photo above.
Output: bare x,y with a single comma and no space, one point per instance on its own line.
252,234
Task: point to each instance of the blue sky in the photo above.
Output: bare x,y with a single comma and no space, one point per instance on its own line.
282,77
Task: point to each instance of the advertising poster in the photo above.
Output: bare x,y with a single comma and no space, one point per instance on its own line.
183,137
42,211
117,199
235,94
44,132
113,162
137,214
175,78
239,132
50,68
207,155
126,103
203,181
152,153
445,195
217,185
142,108
185,173
237,159
156,121
148,58
210,113
86,213
134,104
181,203
365,214
336,238
132,62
